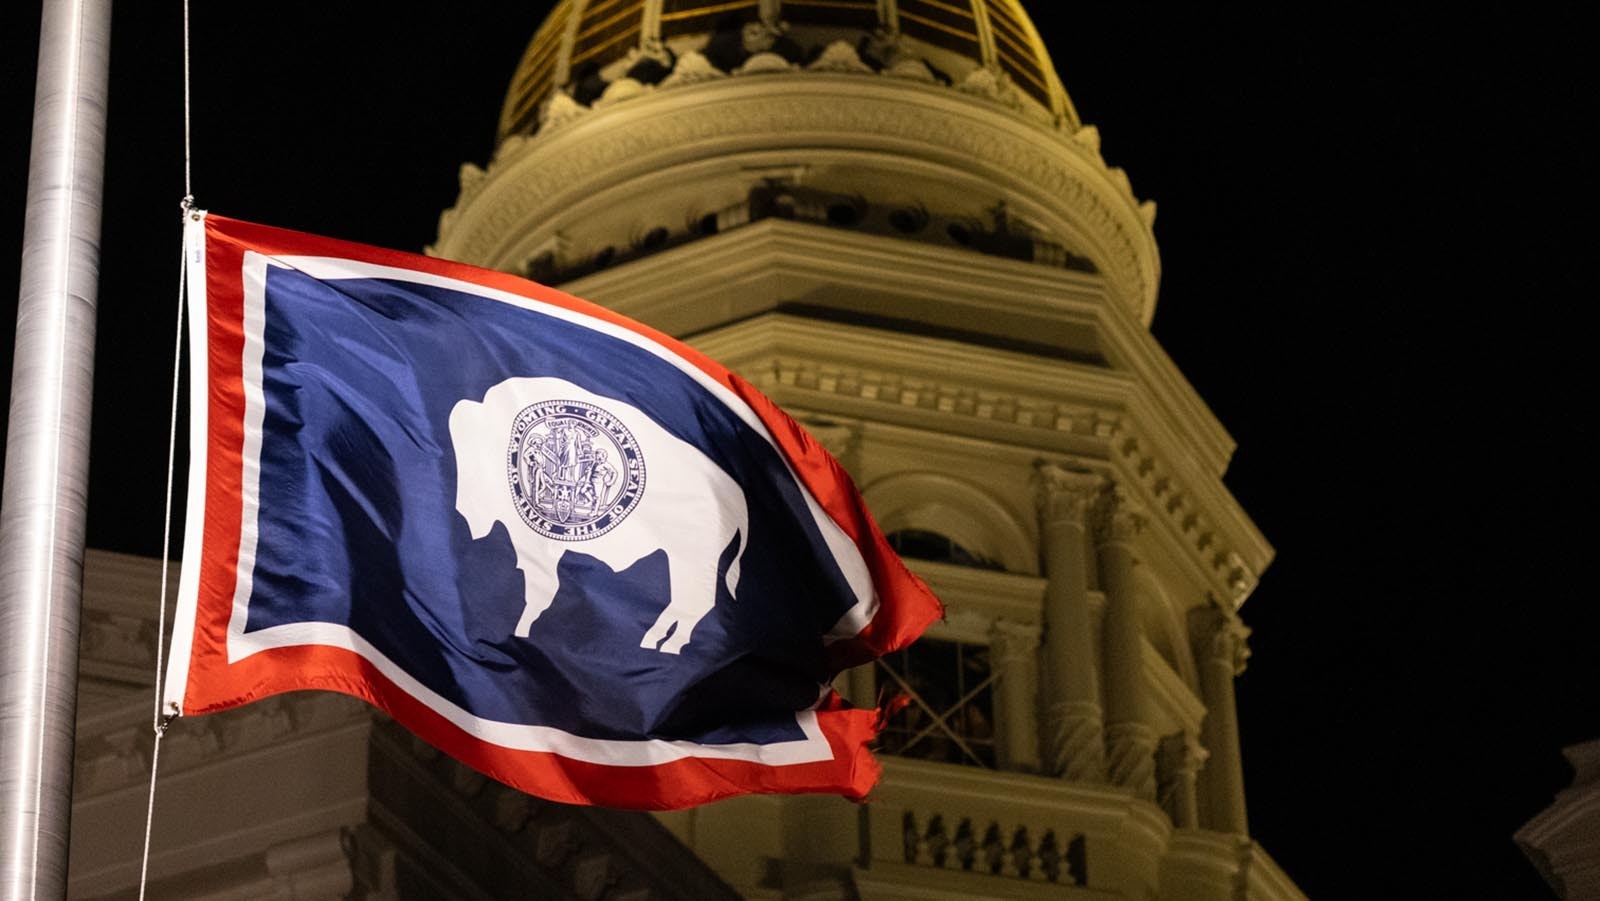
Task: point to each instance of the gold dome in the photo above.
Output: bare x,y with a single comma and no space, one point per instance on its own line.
987,47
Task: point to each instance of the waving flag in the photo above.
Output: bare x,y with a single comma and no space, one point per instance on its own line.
570,551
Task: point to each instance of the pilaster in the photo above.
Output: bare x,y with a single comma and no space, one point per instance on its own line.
1014,654
1179,758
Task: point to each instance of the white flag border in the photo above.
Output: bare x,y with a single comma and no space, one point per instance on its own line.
516,736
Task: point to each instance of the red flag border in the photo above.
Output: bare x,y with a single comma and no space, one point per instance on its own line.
202,679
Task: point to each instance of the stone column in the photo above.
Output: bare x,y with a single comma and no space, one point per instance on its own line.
1130,742
1074,742
1014,655
1220,644
1178,762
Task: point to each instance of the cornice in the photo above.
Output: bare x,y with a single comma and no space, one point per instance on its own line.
1199,513
532,178
864,262
935,377
791,256
1052,405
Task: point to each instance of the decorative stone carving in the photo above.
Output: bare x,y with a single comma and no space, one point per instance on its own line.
1221,638
510,145
121,757
1130,758
188,742
119,640
1088,137
1119,177
471,179
1030,412
840,56
558,111
620,90
649,48
1115,517
764,63
762,35
1076,741
1241,579
258,723
1065,495
1230,645
1227,567
911,69
692,68
991,84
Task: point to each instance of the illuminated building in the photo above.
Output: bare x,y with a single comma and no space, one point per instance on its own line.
887,215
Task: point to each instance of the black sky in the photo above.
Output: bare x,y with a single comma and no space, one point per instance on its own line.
1375,231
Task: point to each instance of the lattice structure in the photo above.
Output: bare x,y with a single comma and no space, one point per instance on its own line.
950,716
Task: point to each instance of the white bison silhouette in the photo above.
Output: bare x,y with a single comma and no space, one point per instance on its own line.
575,483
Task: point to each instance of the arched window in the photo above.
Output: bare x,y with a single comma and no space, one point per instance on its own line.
921,544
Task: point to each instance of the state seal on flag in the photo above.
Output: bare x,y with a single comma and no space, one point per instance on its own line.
575,470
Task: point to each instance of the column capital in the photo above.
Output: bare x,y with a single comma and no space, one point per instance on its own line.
1221,638
1065,495
1116,517
1181,754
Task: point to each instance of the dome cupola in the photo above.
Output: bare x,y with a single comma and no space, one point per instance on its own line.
591,49
635,127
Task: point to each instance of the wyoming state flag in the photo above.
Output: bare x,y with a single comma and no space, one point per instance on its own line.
566,549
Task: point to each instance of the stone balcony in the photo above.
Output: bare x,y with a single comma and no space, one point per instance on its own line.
935,830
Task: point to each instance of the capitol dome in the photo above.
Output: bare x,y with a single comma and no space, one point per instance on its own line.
586,47
633,128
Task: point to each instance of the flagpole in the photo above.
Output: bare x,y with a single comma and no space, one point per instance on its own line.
47,449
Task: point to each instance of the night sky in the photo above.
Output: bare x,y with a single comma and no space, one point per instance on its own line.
1374,231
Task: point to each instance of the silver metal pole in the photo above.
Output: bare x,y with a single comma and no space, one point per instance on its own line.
47,450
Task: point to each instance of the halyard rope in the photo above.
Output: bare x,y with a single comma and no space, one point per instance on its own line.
158,722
